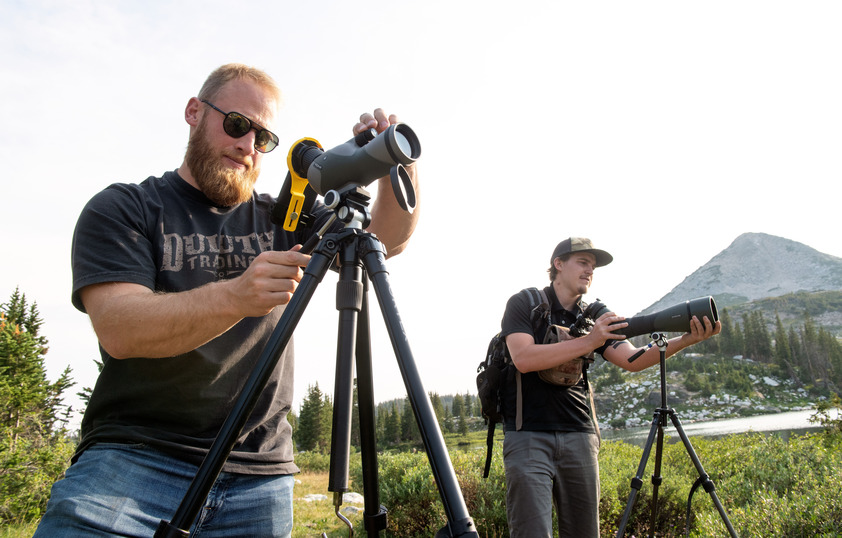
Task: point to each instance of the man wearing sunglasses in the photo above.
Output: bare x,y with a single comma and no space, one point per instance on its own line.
184,278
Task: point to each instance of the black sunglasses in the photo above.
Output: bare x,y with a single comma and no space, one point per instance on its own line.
237,126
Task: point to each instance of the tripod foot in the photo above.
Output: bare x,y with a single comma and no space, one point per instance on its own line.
337,504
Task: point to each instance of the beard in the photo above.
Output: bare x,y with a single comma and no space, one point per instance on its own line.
224,186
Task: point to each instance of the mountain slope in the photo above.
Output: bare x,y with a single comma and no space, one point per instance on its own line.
757,266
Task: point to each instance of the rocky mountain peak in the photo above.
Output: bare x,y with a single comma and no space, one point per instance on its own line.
756,266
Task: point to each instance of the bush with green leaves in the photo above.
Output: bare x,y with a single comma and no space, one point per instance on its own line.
313,462
768,486
778,487
408,491
27,474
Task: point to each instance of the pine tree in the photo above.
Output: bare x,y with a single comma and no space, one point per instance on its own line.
795,351
808,355
757,344
409,427
457,406
449,425
314,422
34,447
462,426
831,350
438,408
326,430
738,339
783,351
764,338
392,430
380,423
30,404
730,343
469,404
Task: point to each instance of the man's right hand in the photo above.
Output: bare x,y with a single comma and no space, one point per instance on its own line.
603,327
269,281
130,320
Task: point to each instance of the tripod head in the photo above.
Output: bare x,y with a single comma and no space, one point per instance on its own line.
345,168
350,205
659,339
357,162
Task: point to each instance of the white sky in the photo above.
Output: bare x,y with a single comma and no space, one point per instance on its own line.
662,130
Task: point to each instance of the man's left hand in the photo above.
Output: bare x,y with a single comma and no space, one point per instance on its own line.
701,330
377,120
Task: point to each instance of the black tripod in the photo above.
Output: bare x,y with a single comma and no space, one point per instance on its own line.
359,256
658,423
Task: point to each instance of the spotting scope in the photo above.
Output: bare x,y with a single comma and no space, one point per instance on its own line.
673,319
360,160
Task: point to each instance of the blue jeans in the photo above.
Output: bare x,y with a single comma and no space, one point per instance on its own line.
546,468
126,490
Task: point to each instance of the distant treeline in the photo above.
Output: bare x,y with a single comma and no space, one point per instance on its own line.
808,354
395,421
796,305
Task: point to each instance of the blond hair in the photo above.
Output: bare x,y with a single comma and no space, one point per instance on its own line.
226,73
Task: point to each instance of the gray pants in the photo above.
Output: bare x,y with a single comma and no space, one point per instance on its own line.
546,468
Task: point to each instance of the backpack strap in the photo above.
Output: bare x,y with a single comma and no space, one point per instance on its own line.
489,447
519,404
539,308
592,404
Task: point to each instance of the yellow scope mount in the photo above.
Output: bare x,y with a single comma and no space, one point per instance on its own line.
296,188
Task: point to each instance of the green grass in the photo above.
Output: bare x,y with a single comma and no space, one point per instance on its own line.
312,518
18,531
769,486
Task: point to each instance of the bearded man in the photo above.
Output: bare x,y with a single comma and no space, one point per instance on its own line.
184,277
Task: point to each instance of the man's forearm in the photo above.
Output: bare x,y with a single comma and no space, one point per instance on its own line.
132,321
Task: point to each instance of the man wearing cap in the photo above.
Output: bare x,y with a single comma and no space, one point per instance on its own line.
551,436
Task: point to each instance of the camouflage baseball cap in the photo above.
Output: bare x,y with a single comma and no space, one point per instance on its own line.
581,244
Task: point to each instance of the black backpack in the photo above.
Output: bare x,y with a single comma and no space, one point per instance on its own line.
493,371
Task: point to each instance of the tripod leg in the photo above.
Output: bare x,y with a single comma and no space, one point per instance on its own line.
656,473
202,483
375,514
349,291
637,481
707,483
459,521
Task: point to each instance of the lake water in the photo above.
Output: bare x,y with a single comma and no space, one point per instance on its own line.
787,422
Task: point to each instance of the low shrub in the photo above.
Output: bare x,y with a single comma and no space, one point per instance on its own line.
768,486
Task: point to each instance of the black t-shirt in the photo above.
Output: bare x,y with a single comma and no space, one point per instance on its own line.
166,235
546,407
